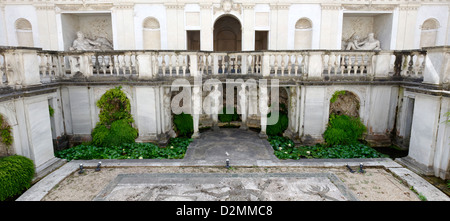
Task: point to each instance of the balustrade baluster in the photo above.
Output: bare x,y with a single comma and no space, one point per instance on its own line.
355,64
183,67
289,67
343,64
103,65
362,64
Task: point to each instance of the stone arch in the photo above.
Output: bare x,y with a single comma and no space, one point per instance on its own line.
303,34
24,32
227,33
429,30
345,102
151,33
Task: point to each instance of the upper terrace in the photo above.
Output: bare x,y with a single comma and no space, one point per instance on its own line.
32,66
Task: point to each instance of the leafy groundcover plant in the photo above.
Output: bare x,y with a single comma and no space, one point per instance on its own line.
175,149
284,149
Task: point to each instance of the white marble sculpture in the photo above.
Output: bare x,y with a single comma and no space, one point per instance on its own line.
370,43
82,43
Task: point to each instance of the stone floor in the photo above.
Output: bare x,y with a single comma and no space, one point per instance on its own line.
255,174
230,143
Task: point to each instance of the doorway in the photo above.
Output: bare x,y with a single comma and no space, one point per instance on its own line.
261,40
193,40
227,34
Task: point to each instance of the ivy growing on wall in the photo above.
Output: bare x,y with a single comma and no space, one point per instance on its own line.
336,95
5,132
114,127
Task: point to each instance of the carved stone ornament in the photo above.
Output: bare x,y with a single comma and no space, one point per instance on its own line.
368,7
82,43
84,7
227,6
370,43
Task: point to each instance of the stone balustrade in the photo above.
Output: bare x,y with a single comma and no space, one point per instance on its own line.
310,65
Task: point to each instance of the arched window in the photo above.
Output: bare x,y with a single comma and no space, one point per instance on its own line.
152,34
303,34
429,32
24,33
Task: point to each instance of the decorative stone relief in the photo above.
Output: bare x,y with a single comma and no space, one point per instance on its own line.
227,6
82,43
370,43
368,7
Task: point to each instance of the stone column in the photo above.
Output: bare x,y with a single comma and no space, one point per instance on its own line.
407,17
196,108
243,106
263,108
206,25
124,24
292,129
215,106
329,29
248,32
46,23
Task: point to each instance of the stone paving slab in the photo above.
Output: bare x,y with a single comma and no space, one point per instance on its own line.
226,187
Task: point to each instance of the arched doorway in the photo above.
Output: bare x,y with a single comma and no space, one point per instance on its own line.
227,34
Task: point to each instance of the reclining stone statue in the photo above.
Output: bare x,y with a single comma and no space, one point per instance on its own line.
370,43
85,44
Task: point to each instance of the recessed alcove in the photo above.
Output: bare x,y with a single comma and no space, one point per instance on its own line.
362,24
93,26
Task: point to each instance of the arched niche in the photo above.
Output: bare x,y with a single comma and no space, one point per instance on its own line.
24,33
429,30
303,34
345,103
151,34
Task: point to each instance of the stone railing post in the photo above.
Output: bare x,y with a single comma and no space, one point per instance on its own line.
22,67
381,64
437,65
145,65
193,64
315,65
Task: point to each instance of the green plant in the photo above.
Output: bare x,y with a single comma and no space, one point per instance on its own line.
51,110
175,149
281,125
336,95
114,127
114,105
227,118
5,132
184,124
16,174
119,133
284,149
343,130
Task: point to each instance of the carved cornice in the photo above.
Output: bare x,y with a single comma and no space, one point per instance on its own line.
174,6
369,7
279,7
87,7
331,6
408,7
124,6
45,7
